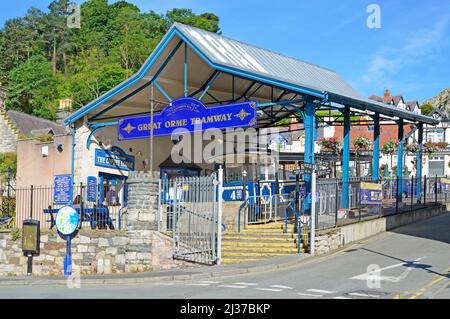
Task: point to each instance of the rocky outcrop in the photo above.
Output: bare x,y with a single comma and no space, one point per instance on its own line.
441,101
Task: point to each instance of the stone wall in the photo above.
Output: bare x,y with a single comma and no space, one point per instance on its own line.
8,139
330,240
138,248
93,252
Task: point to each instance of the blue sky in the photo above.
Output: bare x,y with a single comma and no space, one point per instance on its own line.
409,54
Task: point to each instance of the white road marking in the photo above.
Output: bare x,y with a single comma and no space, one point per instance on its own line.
409,267
309,295
320,291
210,282
231,286
246,283
197,284
281,286
341,297
357,294
270,289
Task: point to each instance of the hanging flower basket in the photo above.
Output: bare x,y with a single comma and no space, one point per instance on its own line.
412,148
432,147
441,145
361,143
389,147
330,144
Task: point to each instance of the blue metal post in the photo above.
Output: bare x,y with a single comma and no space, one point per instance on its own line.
400,160
310,141
68,259
185,71
376,148
419,163
346,157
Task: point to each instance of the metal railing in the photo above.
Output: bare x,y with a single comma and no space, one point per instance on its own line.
191,214
38,202
260,209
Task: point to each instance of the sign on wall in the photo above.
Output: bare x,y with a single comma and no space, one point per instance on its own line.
62,191
371,193
91,192
445,184
189,114
114,158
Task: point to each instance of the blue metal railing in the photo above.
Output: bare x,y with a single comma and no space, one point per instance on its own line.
297,215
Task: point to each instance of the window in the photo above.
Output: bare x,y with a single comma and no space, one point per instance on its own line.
436,135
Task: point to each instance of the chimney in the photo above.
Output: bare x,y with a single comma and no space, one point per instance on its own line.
65,104
64,110
387,94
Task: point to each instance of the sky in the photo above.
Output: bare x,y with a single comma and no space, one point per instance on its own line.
408,52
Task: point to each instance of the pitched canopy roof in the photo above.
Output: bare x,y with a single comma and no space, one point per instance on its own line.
235,58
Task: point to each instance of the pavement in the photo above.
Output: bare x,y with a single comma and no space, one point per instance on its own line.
411,262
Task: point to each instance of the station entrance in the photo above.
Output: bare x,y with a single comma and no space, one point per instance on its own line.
203,103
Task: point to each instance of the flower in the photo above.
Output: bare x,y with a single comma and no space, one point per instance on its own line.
361,143
331,144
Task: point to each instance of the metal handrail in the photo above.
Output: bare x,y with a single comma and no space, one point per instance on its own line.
299,223
245,203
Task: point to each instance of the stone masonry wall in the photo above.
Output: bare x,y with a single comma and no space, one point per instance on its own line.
139,248
8,140
93,252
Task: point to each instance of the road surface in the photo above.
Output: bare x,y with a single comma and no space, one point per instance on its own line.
410,262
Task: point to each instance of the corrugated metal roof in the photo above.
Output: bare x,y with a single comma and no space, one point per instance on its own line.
238,57
232,53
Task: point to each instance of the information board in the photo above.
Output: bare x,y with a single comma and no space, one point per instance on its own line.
62,192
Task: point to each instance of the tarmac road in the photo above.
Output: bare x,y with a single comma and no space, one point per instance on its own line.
409,262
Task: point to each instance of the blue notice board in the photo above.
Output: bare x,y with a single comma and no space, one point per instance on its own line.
63,190
91,189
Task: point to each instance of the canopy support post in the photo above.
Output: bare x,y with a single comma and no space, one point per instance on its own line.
346,158
400,161
376,148
419,163
310,141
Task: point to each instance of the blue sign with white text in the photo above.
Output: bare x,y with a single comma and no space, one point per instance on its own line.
91,189
62,192
114,158
186,115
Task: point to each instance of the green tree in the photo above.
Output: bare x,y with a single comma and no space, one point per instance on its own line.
43,60
426,109
30,87
94,75
206,21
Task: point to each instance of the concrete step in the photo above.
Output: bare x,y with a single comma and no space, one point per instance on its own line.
258,250
261,231
255,243
259,237
255,254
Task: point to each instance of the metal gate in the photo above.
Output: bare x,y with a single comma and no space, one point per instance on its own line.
195,210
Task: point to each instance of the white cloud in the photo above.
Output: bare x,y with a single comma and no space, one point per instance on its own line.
419,47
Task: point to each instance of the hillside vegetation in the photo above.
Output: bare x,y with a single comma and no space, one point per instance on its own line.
42,60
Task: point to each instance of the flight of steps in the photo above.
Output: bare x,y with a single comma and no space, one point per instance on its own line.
259,241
